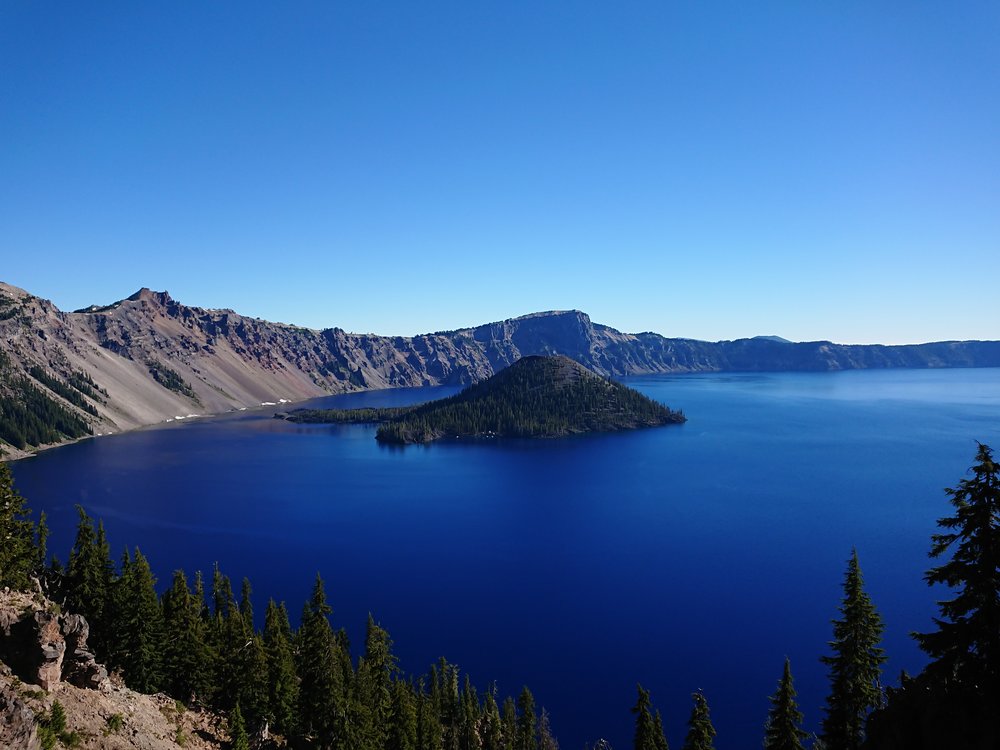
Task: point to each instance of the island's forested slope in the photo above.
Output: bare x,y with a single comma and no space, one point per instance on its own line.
535,397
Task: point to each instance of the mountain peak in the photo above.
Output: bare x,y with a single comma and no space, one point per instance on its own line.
149,295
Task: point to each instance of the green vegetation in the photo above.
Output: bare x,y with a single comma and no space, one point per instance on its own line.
783,730
701,733
648,730
29,418
22,552
855,666
62,389
170,379
8,307
534,397
115,724
953,702
52,729
84,383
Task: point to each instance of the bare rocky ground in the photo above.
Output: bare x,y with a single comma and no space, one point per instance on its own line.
41,660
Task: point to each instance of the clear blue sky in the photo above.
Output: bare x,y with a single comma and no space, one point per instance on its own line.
709,170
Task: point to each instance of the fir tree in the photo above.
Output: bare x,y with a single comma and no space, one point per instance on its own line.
468,723
783,730
855,666
18,555
491,728
186,657
238,739
546,740
526,721
700,730
89,578
509,721
251,661
321,691
42,541
429,732
374,684
645,727
402,734
965,648
282,683
139,625
661,737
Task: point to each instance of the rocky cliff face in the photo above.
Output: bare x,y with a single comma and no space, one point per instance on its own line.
154,359
44,658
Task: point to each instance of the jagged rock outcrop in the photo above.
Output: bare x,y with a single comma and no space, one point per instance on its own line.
45,648
17,722
152,359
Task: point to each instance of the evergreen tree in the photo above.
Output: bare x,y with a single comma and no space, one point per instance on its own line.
321,691
18,555
187,661
645,727
509,721
491,728
965,648
526,721
855,666
238,739
374,685
468,723
661,738
282,683
783,730
89,578
700,730
139,626
251,662
402,734
42,541
429,732
546,740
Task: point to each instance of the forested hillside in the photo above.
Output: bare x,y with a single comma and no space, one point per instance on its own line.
535,397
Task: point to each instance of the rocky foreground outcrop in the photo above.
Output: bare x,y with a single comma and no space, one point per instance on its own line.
44,659
152,359
46,648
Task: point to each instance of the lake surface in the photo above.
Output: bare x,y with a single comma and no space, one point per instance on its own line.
685,557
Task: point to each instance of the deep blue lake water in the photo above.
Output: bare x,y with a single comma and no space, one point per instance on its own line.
686,557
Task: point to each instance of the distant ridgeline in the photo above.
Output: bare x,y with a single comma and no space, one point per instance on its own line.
537,396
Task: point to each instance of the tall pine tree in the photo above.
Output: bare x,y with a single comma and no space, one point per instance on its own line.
965,648
526,721
187,661
321,691
701,733
645,725
89,578
18,555
282,681
855,666
138,625
783,730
